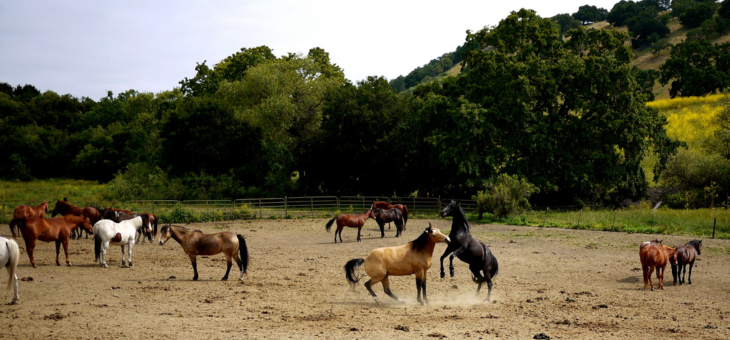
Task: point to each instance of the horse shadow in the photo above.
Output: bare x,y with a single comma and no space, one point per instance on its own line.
630,279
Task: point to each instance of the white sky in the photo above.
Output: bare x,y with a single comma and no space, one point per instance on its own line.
88,47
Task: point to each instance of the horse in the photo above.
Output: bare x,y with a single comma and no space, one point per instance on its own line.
654,255
108,232
482,263
352,221
687,254
195,242
411,258
55,229
386,216
64,208
385,205
119,216
26,212
9,257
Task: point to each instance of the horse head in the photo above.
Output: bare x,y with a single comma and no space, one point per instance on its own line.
57,209
698,245
165,234
45,206
450,209
146,222
374,213
435,235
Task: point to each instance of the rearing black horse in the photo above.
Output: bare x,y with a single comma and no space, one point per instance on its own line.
468,249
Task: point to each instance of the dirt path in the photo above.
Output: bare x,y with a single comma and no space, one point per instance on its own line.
568,284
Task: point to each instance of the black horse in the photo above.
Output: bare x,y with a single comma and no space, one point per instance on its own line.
383,216
464,246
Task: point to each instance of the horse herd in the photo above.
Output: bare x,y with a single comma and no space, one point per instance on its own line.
109,226
121,227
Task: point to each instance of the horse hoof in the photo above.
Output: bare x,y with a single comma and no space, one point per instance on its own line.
195,278
443,275
224,279
68,264
423,303
15,302
130,264
359,240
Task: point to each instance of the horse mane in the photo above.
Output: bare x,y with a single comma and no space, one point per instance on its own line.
695,243
419,243
463,215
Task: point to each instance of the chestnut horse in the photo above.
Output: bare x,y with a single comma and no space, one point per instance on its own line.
26,212
195,243
352,221
654,255
687,254
385,205
55,229
412,258
64,208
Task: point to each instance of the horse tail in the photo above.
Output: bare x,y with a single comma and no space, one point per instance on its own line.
329,224
14,254
156,219
16,223
243,250
405,214
350,266
495,267
97,244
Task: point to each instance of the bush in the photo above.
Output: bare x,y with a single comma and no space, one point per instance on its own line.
505,195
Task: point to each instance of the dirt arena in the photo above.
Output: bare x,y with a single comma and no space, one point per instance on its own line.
567,284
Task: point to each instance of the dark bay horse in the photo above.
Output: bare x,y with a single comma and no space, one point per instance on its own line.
411,258
194,243
51,230
482,263
383,216
26,212
385,205
352,221
65,208
687,254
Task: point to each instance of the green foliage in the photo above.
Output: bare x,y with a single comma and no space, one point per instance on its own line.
566,22
622,12
658,46
505,195
696,67
698,13
140,181
587,13
646,28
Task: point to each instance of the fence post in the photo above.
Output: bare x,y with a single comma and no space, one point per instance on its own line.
338,203
545,219
311,201
713,228
286,208
614,218
414,204
580,214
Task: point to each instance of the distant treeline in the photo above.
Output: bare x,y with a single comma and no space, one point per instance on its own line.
566,115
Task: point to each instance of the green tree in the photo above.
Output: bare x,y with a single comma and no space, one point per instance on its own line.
695,15
659,46
588,13
696,67
622,12
505,195
566,22
644,28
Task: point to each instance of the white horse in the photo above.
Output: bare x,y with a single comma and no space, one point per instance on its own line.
9,256
123,233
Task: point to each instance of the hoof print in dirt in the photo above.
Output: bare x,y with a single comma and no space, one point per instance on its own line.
541,336
354,329
27,278
568,299
402,328
172,277
54,317
600,306
437,335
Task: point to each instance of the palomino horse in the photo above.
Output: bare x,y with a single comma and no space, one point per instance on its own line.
26,212
482,263
385,205
195,243
64,208
9,257
386,216
108,232
654,255
411,258
352,221
55,229
687,254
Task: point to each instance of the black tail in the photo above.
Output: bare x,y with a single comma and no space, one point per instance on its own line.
156,219
243,249
97,246
495,267
329,224
352,278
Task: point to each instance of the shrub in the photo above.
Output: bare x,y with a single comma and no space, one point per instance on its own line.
505,195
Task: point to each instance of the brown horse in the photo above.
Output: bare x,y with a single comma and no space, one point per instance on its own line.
55,229
411,258
385,205
653,254
195,243
65,208
26,212
383,216
687,254
352,221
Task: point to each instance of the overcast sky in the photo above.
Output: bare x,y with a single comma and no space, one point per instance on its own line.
86,48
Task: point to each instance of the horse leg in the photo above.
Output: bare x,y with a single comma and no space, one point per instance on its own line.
382,229
65,250
674,273
29,247
446,253
58,250
129,255
651,282
195,266
369,286
229,261
691,264
682,273
386,289
358,234
123,255
104,247
339,230
456,253
388,225
16,297
660,276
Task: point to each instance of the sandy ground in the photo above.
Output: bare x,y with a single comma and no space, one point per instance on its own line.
564,283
